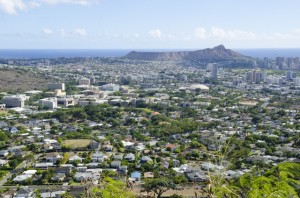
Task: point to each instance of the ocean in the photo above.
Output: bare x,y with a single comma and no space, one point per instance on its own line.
55,53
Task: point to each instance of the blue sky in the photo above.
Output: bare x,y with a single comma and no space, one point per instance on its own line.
149,24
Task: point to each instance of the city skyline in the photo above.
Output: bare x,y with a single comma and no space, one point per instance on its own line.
133,24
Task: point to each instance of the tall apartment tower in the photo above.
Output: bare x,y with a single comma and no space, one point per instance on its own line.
214,71
290,75
255,76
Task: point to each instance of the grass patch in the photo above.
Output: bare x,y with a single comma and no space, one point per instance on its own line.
3,113
77,143
146,110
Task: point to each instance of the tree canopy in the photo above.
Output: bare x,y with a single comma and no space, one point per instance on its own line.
158,185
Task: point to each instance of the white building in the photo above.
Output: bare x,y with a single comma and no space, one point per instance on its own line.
273,80
51,103
111,87
84,81
297,81
53,86
66,102
14,100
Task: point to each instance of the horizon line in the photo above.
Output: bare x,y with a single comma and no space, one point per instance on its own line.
143,48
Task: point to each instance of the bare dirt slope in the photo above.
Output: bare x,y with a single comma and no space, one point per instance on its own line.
20,81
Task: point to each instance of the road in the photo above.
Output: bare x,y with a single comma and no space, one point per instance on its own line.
18,169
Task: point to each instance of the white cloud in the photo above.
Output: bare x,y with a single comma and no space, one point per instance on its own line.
297,31
48,31
80,32
229,34
200,33
62,32
234,34
136,35
78,2
12,6
155,33
34,4
218,32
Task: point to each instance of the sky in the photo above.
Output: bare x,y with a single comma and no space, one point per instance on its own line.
149,24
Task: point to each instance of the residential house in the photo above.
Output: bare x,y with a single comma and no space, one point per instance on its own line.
97,157
64,170
13,130
24,176
3,125
135,176
196,176
77,191
21,178
81,169
211,167
58,177
130,157
94,145
146,159
80,176
53,157
116,164
25,192
118,157
3,162
75,157
44,165
52,194
4,153
107,148
148,175
123,169
92,165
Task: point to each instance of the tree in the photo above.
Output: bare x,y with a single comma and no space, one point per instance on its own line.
66,195
65,158
279,181
3,173
3,136
158,186
13,163
195,144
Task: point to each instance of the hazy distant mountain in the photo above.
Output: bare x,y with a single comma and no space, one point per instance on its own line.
217,53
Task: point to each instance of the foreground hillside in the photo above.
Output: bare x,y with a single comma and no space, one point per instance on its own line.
21,80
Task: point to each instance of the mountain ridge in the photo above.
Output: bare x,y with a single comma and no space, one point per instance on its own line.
217,53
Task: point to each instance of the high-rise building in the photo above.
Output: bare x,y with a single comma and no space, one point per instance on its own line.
296,61
255,76
214,71
266,62
297,81
280,62
290,75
